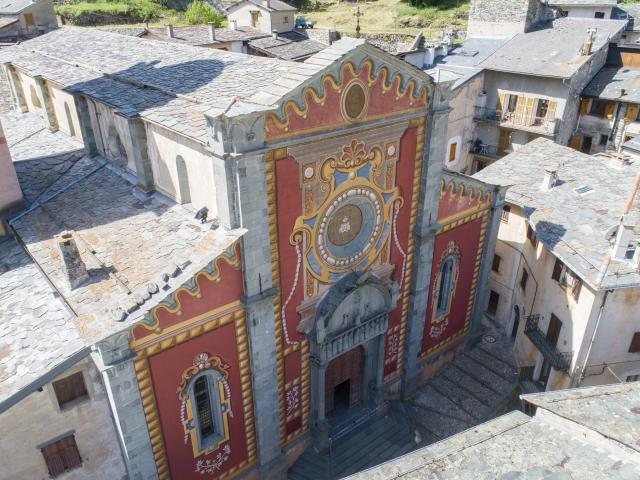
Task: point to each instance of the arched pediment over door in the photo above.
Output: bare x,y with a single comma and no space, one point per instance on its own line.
354,311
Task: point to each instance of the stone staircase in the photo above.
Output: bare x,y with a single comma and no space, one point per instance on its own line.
379,440
472,389
475,387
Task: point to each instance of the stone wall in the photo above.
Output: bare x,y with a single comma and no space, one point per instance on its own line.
90,420
493,18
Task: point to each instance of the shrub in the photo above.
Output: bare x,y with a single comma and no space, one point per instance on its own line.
200,12
104,12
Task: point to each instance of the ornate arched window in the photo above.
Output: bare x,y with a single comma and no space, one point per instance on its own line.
446,281
205,403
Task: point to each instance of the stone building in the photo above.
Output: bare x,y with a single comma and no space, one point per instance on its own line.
332,263
26,18
565,281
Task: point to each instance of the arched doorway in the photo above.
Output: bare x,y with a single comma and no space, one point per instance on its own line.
343,382
183,180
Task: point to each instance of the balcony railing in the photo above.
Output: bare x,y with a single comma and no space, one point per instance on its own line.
558,360
540,125
485,150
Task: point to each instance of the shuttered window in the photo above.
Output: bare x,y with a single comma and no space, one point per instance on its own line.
557,270
635,343
496,263
70,389
453,150
632,113
531,235
61,456
506,210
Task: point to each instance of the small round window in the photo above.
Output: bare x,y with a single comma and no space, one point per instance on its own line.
354,101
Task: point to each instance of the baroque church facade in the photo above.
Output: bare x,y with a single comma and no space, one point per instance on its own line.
360,265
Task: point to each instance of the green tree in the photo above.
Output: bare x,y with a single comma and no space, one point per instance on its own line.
201,12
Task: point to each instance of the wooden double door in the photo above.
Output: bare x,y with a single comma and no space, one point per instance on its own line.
343,382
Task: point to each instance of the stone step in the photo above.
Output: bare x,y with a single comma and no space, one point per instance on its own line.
483,374
469,384
438,426
508,372
463,399
433,400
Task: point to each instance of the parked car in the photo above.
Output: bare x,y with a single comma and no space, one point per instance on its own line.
302,22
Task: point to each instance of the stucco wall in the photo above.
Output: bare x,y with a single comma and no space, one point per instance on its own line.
106,124
30,90
462,128
164,148
242,14
69,124
587,12
38,419
542,295
278,21
10,193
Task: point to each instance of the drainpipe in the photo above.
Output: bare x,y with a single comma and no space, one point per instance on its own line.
593,337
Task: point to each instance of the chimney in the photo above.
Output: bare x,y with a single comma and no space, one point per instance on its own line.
588,45
549,180
212,32
74,268
233,24
266,3
274,34
169,30
623,238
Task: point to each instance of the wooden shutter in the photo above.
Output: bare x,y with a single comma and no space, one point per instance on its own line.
53,458
632,113
575,290
575,142
630,59
529,111
557,270
551,111
70,452
500,105
635,343
520,108
553,332
70,388
28,19
452,151
608,110
504,141
584,106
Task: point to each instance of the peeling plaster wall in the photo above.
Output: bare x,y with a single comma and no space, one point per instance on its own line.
105,124
38,419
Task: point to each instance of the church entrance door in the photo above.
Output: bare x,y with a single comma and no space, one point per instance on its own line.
344,382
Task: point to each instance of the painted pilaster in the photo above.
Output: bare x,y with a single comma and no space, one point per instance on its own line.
141,154
256,254
16,87
483,291
88,137
426,228
115,362
224,178
47,103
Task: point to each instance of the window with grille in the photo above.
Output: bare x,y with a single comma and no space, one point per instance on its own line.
203,407
207,408
70,390
61,455
505,214
496,263
635,343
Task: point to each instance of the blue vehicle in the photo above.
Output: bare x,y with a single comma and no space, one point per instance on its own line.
301,22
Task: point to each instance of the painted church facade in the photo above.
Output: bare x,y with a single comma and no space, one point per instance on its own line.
360,269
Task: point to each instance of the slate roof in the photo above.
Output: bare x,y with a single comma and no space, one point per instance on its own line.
199,34
274,5
611,410
170,84
222,6
630,12
130,31
554,49
126,239
515,446
9,7
288,46
611,80
5,21
575,227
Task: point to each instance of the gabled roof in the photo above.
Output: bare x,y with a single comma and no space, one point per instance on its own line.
582,3
621,84
9,7
199,34
574,223
554,49
268,5
287,46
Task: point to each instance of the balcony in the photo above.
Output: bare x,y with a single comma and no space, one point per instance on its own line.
538,125
558,360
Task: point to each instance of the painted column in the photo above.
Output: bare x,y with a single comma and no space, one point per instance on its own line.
88,137
484,287
47,104
15,87
138,136
224,179
115,361
426,227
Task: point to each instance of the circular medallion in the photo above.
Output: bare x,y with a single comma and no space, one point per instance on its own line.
354,101
349,227
344,225
308,172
